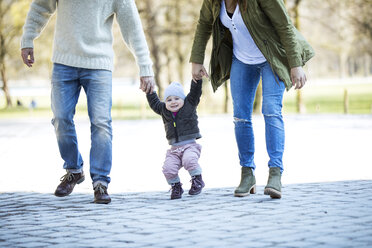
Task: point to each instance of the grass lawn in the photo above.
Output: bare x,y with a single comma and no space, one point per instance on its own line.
317,98
330,99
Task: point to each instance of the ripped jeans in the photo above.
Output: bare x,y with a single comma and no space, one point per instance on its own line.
244,81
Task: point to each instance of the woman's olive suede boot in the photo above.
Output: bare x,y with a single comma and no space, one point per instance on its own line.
274,185
247,183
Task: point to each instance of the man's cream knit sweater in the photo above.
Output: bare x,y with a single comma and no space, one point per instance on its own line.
83,32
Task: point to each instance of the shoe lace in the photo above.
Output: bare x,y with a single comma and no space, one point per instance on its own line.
68,177
100,188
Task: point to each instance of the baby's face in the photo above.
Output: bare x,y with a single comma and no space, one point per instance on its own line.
174,103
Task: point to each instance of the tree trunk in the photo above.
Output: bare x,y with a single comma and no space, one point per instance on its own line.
5,85
258,99
366,65
343,64
167,50
300,106
168,60
179,52
154,48
351,66
346,102
226,103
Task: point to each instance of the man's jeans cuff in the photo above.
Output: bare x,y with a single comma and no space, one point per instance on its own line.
75,171
100,182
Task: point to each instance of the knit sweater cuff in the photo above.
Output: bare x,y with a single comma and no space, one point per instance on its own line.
27,44
146,71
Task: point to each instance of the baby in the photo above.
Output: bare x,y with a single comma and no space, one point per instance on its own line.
181,127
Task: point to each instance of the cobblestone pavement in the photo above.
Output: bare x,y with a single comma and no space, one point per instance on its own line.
337,214
327,189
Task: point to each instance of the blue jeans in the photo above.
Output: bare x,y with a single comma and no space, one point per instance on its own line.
244,80
97,84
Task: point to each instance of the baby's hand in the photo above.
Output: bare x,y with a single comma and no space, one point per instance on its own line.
198,72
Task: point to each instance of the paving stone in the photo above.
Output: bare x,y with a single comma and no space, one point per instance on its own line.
321,214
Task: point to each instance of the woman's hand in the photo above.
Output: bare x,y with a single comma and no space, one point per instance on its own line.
298,77
198,72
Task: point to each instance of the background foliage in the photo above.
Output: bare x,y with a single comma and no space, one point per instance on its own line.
339,30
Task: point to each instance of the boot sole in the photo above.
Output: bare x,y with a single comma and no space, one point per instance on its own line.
175,198
197,192
78,182
252,190
273,193
81,180
102,201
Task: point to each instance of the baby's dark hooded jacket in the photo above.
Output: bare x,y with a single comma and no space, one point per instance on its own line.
183,126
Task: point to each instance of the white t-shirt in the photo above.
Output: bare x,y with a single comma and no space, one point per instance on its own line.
244,47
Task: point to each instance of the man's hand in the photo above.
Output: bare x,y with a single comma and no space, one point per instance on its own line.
198,72
147,84
298,77
28,56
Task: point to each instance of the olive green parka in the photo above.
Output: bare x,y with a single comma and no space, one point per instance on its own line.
271,29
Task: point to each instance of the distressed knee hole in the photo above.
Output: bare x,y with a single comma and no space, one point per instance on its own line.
236,119
242,121
272,115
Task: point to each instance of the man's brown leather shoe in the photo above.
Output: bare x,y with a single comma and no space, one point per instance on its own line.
68,183
100,194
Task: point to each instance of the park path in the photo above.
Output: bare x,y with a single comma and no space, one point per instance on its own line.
327,188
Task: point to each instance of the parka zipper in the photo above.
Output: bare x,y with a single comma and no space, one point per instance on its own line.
175,127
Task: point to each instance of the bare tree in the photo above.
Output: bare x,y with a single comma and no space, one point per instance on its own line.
9,30
338,35
300,106
149,13
178,33
169,26
360,16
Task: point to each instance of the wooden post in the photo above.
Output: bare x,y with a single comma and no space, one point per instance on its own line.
300,106
143,108
346,102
